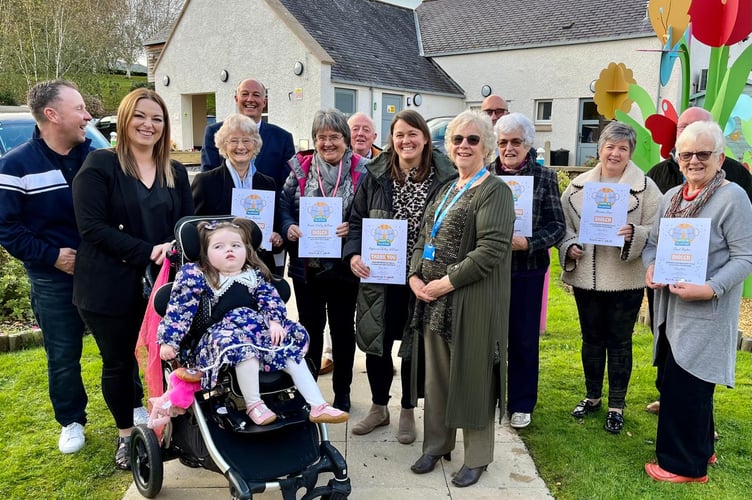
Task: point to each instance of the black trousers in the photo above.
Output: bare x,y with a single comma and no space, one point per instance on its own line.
685,423
380,369
319,300
116,337
607,321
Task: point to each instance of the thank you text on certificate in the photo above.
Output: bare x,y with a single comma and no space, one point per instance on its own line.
319,218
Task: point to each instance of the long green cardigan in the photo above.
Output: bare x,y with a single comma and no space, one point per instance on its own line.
480,304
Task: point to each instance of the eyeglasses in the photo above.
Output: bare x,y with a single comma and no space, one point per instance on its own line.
514,142
329,138
235,142
701,155
498,111
473,140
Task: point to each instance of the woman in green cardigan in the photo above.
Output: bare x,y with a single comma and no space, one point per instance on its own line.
460,274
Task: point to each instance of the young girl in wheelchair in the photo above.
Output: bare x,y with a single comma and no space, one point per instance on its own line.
250,329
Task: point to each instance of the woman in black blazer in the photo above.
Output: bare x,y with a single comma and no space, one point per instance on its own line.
239,142
127,202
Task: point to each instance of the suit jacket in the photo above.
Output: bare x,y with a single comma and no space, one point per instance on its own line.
113,254
277,148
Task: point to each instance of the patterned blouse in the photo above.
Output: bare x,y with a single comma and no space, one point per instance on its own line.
409,200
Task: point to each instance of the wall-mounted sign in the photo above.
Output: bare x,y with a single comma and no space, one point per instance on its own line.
391,109
298,94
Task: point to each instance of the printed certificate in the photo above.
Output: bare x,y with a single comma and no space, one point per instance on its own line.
522,191
319,218
384,249
682,252
258,206
604,212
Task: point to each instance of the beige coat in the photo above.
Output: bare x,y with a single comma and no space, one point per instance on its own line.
605,268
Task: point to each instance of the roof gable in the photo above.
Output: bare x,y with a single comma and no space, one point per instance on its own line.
372,43
466,26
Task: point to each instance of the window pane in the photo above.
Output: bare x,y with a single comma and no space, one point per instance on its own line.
589,111
344,100
543,111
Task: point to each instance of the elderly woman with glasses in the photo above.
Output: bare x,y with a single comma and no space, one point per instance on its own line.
238,142
460,272
696,324
530,260
324,287
607,280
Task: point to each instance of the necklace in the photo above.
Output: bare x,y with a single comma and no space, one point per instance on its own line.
687,196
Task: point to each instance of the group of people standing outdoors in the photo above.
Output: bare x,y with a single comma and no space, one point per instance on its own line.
468,313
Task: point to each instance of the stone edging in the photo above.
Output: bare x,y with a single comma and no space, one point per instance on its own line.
21,340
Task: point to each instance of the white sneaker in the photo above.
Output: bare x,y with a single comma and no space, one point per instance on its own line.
71,438
519,420
140,416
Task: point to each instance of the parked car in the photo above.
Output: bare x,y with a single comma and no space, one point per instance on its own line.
17,127
438,126
106,125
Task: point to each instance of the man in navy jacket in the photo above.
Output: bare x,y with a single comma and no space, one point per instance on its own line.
277,148
38,227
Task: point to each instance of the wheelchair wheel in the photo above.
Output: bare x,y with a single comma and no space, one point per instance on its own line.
146,461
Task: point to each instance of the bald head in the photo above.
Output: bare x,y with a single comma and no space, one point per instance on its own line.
362,134
494,106
250,98
692,115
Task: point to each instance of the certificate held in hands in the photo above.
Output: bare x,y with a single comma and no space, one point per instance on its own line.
604,212
384,249
682,251
319,218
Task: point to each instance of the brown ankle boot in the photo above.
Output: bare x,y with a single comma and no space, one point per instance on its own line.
406,429
377,416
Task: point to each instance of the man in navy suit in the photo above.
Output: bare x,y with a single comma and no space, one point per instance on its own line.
278,147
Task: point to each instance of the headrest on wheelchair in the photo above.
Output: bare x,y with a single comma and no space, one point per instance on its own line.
186,234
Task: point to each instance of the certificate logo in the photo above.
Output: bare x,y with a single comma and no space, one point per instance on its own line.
517,189
683,234
253,204
605,198
320,212
383,235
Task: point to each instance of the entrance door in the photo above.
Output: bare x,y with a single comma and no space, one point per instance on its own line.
589,127
392,104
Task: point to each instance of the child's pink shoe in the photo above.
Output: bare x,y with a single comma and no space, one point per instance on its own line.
326,414
260,413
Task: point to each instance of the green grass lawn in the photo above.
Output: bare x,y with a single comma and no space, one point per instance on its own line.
580,460
30,464
577,460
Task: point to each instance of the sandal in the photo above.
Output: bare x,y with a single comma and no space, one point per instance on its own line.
260,413
122,453
614,422
585,407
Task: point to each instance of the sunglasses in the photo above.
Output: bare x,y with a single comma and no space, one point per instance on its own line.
701,155
498,111
473,140
514,142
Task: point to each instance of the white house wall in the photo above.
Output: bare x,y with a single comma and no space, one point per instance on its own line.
561,73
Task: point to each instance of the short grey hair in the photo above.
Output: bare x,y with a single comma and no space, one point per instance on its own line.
238,123
707,129
484,125
46,94
330,119
516,122
617,132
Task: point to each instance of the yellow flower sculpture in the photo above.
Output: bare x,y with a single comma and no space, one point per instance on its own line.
669,13
612,90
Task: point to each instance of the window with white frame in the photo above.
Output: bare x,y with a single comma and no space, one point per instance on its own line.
344,100
543,111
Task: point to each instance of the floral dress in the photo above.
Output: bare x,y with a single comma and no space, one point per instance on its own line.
242,333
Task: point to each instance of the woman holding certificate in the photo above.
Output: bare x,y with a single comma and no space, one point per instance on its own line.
696,324
398,185
460,273
607,280
324,287
515,134
239,142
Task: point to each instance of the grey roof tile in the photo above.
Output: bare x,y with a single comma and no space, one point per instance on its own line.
464,26
372,43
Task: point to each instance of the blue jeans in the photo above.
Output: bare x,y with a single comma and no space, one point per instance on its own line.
63,331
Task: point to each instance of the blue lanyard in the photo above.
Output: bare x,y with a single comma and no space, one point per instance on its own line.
440,215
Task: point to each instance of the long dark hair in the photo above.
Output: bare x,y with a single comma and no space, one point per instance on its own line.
243,227
415,120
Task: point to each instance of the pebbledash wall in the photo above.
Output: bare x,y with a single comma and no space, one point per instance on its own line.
561,73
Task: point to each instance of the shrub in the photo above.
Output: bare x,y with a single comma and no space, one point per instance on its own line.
14,289
563,178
